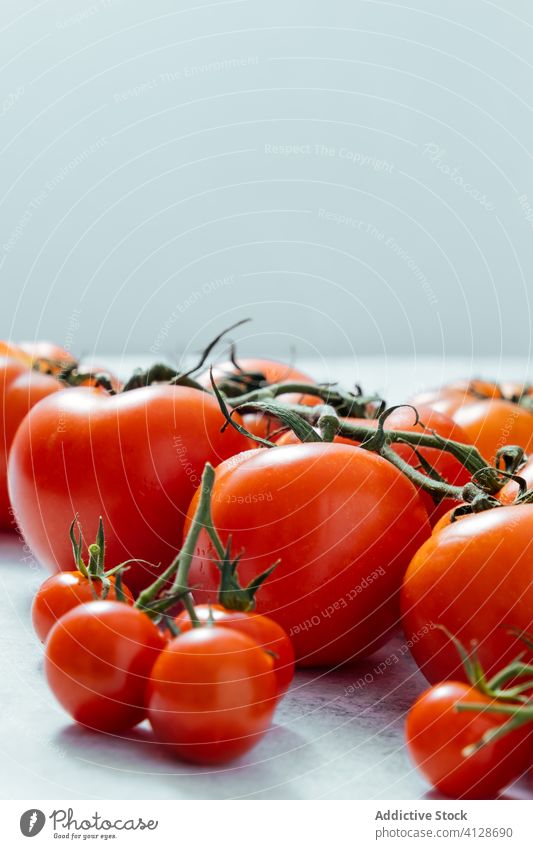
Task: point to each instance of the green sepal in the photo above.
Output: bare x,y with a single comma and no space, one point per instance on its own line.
230,593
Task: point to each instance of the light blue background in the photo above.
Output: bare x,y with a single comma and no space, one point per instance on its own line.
352,175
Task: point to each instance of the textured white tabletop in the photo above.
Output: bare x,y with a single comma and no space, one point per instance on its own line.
337,734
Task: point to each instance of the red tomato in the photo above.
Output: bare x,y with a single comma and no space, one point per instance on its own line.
344,522
20,390
97,661
63,591
492,424
266,633
211,695
437,735
443,462
135,459
474,577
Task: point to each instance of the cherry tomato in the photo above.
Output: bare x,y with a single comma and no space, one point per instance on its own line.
266,633
492,424
98,658
447,466
437,734
344,522
20,390
211,695
135,459
474,577
63,591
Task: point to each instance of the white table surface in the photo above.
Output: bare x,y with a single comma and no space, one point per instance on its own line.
327,741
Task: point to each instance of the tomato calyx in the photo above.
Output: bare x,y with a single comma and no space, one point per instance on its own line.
514,701
230,594
71,375
159,373
94,569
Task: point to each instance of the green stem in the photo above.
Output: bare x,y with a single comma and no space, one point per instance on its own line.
328,423
345,403
179,568
202,520
189,607
376,439
523,711
514,670
437,489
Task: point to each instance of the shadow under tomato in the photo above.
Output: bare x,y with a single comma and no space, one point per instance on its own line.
137,751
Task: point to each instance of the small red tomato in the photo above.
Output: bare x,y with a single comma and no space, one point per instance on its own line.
267,634
211,695
438,734
97,661
63,591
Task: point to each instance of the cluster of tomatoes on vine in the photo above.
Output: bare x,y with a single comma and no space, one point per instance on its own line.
432,497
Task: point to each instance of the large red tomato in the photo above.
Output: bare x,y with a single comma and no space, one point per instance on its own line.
135,459
344,523
474,577
20,390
